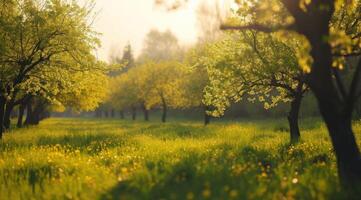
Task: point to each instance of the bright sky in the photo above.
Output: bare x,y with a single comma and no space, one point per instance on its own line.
123,21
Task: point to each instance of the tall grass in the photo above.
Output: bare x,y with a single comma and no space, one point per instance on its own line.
111,159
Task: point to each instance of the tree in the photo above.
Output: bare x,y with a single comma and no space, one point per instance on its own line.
161,84
166,80
196,80
159,46
124,92
39,36
128,58
314,20
61,89
256,66
123,63
150,85
120,65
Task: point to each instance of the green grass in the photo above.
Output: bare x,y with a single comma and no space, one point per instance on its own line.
110,159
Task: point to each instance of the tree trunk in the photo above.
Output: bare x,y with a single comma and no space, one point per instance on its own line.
106,113
121,113
37,112
293,119
134,113
207,117
335,114
112,113
29,112
165,109
2,112
21,115
7,115
345,146
146,113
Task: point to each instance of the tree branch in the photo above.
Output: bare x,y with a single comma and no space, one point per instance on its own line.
293,6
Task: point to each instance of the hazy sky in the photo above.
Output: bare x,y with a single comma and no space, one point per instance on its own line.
123,21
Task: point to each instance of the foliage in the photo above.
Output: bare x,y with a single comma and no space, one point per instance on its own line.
196,78
258,66
149,85
47,46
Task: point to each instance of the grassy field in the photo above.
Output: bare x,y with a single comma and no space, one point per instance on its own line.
111,159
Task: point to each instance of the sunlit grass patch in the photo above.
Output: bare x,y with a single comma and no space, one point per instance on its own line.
111,159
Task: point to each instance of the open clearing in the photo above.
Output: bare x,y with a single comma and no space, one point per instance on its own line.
113,159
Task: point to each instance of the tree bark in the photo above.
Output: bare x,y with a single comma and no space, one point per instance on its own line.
334,106
21,115
106,113
334,112
2,112
207,117
134,113
165,110
112,113
293,119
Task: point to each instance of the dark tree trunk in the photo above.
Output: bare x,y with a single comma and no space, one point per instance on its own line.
38,112
112,113
29,112
293,119
106,113
207,117
7,116
335,107
165,110
336,113
2,112
134,113
146,113
121,114
21,115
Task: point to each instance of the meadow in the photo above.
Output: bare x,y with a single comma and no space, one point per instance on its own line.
114,159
